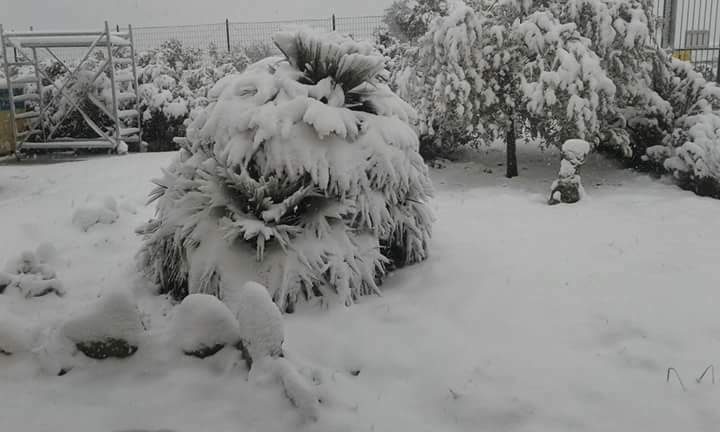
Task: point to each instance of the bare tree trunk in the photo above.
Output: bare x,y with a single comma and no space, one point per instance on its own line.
511,151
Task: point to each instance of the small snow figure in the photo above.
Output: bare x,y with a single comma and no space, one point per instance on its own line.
568,188
109,328
203,325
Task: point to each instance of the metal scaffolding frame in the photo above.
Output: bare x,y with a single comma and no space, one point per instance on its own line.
121,70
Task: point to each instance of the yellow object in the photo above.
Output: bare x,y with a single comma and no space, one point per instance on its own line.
7,144
682,55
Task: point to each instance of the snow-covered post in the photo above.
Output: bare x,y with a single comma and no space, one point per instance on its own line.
568,187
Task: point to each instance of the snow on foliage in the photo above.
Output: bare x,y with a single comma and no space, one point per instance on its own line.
202,324
175,80
309,164
690,151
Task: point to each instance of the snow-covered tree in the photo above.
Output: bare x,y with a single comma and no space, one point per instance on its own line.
303,173
621,32
443,77
485,73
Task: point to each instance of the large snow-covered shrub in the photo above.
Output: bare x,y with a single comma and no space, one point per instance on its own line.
307,164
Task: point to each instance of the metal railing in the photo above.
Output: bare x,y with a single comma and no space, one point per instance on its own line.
241,34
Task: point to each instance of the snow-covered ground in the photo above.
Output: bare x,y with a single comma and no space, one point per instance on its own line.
525,318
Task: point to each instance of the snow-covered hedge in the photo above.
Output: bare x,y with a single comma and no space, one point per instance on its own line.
175,80
691,152
302,173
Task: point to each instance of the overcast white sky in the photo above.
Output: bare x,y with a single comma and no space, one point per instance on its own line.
90,14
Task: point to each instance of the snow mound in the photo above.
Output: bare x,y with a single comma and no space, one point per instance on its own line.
202,325
110,327
46,253
96,213
295,387
35,285
31,275
122,148
56,354
13,338
300,393
261,323
575,150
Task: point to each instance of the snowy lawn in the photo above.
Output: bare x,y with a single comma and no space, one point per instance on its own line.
525,318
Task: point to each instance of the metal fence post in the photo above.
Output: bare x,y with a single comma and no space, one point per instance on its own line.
333,22
227,33
669,22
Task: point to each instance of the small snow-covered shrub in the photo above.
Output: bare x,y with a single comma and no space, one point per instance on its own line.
203,325
307,164
568,188
110,327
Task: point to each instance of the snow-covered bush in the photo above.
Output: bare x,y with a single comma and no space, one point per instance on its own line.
203,325
307,164
174,80
568,188
690,151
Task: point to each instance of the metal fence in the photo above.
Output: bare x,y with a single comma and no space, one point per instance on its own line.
691,29
232,34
